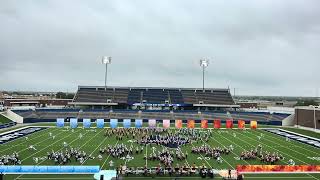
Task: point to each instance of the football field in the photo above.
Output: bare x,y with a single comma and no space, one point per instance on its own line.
94,139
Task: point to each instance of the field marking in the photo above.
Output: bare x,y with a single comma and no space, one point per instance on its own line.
235,144
63,147
54,178
276,149
312,176
292,141
95,148
47,146
202,157
284,146
146,165
125,163
221,156
38,143
278,177
36,137
108,156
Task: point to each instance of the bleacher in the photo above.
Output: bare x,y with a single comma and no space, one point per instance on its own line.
51,115
127,95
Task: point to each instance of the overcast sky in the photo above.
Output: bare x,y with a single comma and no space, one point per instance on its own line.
261,47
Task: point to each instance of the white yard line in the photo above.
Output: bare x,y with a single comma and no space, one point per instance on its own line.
47,146
36,137
95,148
221,156
147,155
203,157
276,149
78,178
292,141
231,151
286,148
108,157
38,142
63,147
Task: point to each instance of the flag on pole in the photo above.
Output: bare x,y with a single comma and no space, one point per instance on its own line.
241,124
178,124
191,124
229,123
204,124
217,124
152,123
166,123
253,124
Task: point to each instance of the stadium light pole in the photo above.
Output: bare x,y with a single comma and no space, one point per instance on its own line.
106,60
203,63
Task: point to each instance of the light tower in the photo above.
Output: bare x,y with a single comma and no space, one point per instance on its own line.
203,63
106,60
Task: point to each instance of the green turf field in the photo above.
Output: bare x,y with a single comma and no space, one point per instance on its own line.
92,141
4,120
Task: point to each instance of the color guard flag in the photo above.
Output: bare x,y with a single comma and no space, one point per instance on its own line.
204,124
178,124
60,122
191,124
73,122
253,124
113,123
152,123
229,123
138,123
217,124
86,123
241,124
166,123
100,123
127,123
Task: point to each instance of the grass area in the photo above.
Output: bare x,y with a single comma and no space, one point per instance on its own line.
92,141
303,131
4,120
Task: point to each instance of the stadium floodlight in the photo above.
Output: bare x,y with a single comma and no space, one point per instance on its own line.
106,60
203,63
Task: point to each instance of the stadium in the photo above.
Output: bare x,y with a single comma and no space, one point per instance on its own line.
128,90
134,132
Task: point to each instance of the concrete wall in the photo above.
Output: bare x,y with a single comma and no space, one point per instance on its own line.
289,121
305,118
13,116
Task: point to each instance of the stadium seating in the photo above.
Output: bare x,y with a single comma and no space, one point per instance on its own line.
153,96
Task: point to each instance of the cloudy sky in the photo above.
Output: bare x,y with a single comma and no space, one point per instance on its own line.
261,47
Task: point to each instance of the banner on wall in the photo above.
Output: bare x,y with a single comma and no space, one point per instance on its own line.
113,123
127,123
204,124
86,123
229,123
178,124
241,124
166,123
253,124
73,122
217,124
138,123
191,124
152,123
60,122
100,123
